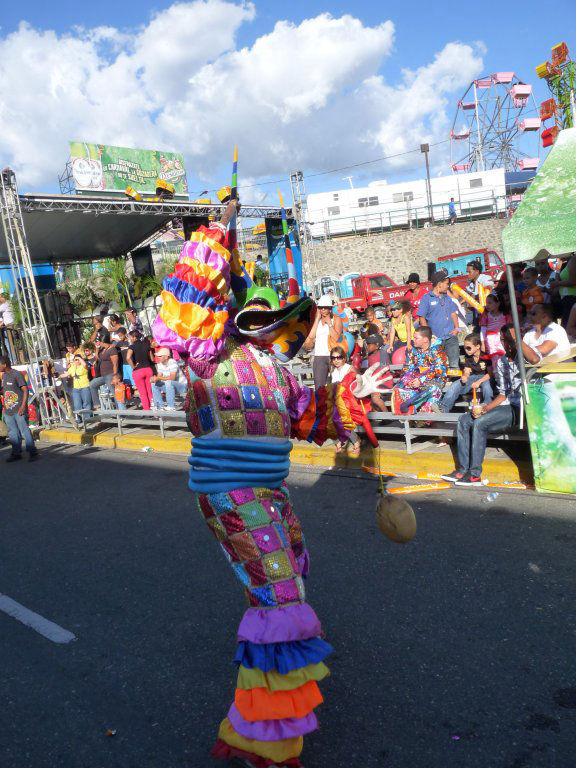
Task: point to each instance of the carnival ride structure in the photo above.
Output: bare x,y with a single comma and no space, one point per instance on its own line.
560,76
496,125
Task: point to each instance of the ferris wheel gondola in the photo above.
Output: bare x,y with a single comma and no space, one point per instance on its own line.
496,125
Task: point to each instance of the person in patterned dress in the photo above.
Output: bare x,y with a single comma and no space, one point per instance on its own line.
420,387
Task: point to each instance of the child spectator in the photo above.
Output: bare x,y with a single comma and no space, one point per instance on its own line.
532,293
121,392
491,321
475,375
401,328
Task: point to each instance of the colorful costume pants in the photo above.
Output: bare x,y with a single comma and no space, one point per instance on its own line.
280,653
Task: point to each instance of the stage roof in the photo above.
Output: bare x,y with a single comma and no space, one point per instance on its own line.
70,228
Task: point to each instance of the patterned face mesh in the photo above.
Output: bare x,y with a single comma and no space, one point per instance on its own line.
246,396
262,539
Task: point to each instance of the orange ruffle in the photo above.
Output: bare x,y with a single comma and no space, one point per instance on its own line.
215,277
278,751
261,704
192,320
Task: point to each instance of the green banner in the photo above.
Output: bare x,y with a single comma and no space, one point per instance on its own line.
102,168
551,416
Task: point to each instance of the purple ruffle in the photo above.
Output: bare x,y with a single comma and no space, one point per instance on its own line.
272,730
279,625
203,349
297,407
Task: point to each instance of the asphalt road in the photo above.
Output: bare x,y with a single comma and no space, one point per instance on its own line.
456,650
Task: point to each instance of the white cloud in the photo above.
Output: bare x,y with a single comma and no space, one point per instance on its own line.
309,95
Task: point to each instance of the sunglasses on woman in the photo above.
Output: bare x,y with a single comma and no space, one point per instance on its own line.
336,357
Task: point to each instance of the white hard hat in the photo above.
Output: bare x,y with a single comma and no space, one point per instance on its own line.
325,302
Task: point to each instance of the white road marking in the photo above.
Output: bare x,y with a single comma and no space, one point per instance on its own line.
36,622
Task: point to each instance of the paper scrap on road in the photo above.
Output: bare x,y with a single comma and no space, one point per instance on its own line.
38,623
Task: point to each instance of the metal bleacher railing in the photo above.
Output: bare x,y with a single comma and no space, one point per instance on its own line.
409,217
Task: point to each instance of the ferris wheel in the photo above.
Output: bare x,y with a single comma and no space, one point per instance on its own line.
496,125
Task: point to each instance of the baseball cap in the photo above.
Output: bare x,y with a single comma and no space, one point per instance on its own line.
439,276
374,339
395,305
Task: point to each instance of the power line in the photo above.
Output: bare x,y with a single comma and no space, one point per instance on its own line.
333,170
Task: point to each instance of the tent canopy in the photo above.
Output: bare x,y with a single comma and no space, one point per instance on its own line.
61,228
545,221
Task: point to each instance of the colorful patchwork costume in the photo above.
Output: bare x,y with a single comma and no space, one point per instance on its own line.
242,408
421,385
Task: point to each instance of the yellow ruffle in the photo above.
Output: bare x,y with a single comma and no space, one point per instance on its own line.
201,237
205,270
278,751
274,681
192,320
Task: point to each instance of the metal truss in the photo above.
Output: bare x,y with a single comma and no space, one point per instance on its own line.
35,332
170,208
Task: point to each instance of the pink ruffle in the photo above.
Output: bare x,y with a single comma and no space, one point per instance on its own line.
279,625
272,730
203,253
203,349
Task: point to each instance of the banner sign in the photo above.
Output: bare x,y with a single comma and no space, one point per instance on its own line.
103,168
551,416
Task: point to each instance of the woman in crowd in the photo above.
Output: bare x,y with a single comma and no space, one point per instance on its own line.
420,387
140,357
401,328
343,373
81,394
475,375
326,331
114,325
491,322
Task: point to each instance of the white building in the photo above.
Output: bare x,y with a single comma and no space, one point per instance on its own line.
384,206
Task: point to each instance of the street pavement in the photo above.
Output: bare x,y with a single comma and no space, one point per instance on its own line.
455,650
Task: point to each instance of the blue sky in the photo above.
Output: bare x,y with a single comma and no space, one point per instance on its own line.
507,36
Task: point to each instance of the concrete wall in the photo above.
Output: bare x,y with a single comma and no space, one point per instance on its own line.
400,252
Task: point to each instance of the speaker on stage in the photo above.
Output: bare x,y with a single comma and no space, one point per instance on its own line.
142,261
191,223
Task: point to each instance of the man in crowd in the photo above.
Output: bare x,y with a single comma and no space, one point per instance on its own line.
546,337
414,293
475,278
15,411
497,416
440,314
452,211
169,379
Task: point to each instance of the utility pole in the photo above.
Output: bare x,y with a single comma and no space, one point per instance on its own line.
425,148
349,180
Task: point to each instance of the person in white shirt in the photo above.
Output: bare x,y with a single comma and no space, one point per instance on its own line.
546,337
169,379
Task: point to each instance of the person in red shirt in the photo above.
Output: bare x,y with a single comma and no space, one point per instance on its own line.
414,293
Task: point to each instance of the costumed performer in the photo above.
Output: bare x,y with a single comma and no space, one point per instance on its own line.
242,407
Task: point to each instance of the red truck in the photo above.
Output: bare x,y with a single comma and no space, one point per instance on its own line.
379,289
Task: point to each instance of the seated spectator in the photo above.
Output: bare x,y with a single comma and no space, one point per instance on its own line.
401,328
546,277
339,371
499,415
121,392
108,365
475,278
420,387
492,321
475,375
169,379
77,374
375,354
532,294
546,337
372,319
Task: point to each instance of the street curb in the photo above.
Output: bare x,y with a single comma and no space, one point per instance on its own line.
424,465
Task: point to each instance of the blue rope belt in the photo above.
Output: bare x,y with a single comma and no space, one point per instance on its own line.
221,465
